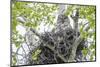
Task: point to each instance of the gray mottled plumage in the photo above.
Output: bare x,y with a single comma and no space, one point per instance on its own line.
63,22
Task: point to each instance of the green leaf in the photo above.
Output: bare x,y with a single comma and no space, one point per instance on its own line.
14,60
17,44
35,54
92,46
85,52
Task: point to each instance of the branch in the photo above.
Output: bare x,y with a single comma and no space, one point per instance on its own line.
59,55
50,47
74,48
35,32
61,9
75,17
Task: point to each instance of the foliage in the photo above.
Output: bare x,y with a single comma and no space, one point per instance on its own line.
35,13
36,54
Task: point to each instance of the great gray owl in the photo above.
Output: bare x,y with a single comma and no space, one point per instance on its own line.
63,22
